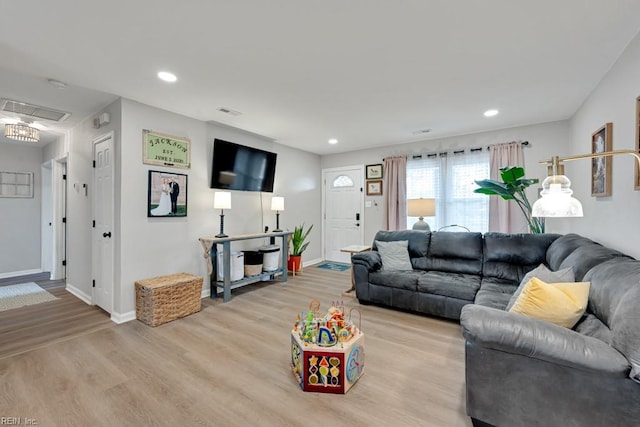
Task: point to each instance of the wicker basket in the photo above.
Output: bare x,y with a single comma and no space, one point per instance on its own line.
163,299
252,270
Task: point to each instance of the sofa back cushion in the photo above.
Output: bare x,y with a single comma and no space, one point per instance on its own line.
583,258
563,246
511,256
418,241
614,298
456,252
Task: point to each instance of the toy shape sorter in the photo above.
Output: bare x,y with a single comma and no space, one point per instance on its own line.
327,350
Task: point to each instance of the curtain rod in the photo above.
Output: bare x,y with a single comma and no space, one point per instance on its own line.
454,151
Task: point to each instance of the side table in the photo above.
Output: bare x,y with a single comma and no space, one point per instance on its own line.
353,249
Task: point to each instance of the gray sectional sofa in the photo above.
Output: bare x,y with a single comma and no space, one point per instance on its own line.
521,371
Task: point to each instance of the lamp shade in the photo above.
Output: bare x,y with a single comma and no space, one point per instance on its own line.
421,207
222,200
556,200
277,203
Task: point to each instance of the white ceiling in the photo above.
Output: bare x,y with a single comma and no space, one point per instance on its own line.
367,72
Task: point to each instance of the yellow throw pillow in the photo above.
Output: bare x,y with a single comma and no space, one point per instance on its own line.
559,303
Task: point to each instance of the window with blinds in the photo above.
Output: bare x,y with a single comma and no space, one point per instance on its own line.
449,178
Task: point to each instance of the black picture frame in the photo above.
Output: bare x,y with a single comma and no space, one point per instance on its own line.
373,171
161,201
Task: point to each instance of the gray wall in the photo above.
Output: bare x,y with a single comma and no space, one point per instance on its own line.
613,220
20,217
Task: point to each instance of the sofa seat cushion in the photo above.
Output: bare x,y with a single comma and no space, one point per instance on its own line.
455,285
495,292
591,326
396,279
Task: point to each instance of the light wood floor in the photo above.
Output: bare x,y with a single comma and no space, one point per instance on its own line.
227,365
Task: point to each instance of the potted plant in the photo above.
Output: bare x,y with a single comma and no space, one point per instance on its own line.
298,246
513,188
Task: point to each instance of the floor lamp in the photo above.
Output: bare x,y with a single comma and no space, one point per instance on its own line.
556,199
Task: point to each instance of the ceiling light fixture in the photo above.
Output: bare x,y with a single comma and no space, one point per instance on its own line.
491,113
21,132
167,76
333,141
57,83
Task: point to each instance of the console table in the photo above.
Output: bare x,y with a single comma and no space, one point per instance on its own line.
227,284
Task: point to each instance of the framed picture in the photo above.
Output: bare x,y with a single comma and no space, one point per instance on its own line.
374,188
601,140
167,194
374,171
166,150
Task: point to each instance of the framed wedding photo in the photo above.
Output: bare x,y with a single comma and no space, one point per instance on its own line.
374,171
167,195
601,140
374,188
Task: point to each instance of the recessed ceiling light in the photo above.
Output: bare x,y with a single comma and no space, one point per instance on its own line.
491,113
333,141
167,76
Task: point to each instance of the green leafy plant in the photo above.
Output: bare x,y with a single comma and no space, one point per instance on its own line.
298,244
513,187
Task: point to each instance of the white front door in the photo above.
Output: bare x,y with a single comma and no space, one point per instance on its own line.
343,208
103,215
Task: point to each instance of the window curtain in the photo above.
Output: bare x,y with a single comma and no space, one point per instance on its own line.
504,215
395,193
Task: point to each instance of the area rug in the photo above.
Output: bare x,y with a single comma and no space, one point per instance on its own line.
334,266
15,296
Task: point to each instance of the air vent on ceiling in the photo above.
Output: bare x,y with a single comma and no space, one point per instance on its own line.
30,110
421,131
229,111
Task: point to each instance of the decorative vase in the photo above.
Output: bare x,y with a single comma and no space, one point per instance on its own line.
294,263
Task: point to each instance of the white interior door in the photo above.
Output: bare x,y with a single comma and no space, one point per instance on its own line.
343,207
46,226
103,213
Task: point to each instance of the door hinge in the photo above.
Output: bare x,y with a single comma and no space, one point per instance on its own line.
94,283
64,220
94,223
64,176
64,262
94,163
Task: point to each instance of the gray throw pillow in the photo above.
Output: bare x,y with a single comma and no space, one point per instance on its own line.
394,255
543,273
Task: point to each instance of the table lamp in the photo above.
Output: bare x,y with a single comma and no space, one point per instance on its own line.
421,208
277,204
222,201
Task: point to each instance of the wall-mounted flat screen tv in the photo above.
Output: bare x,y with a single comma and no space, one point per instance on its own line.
237,167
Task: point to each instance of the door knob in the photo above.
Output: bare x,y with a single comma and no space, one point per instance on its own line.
106,234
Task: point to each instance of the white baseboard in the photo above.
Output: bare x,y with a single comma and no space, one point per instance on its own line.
123,317
78,293
312,262
20,273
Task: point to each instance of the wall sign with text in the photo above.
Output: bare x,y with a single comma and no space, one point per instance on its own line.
166,150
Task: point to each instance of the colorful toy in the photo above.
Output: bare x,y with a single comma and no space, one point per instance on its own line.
327,351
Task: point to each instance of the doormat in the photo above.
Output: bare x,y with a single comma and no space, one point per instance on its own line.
336,266
15,296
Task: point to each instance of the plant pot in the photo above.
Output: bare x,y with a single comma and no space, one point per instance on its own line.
294,263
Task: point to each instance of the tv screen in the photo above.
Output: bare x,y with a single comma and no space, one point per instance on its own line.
236,167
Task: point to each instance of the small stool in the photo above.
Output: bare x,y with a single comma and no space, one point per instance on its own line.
353,249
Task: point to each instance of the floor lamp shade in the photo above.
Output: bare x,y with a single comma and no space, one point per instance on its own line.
421,208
